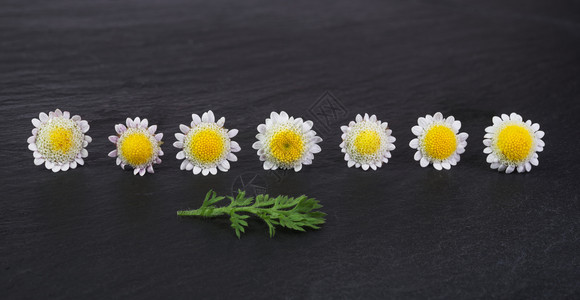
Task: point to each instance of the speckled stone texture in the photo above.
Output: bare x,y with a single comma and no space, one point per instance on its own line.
399,232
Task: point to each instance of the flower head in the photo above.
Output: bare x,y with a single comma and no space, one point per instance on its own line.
206,146
137,145
438,141
367,143
512,144
58,140
285,142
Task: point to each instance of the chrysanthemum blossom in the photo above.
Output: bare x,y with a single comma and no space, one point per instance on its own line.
58,140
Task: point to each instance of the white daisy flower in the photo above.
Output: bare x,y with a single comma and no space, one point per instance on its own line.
367,143
58,140
438,141
137,145
286,143
512,144
206,146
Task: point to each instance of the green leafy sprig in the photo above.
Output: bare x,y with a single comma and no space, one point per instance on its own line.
294,213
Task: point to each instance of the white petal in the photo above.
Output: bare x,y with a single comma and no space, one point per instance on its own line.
491,158
365,167
43,117
144,123
487,150
315,149
188,166
150,169
424,162
235,146
414,143
521,168
257,145
350,163
534,161
232,157
36,122
179,136
422,122
437,166
183,128
298,167
118,161
38,161
84,126
213,171
539,134
136,171
120,128
178,145
261,128
528,166
56,168
417,130
268,165
65,166
32,147
113,139
180,155
196,170
113,153
446,165
84,153
456,125
204,172
232,133
159,137
358,118
535,127
142,171
196,119
496,120
510,169
418,156
438,116
88,138
73,164
49,165
463,136
36,154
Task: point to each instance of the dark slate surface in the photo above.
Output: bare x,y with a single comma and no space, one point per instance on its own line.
400,232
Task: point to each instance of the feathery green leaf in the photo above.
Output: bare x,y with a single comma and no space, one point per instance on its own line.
294,213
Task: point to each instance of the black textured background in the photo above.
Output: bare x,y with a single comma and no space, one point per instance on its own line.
400,232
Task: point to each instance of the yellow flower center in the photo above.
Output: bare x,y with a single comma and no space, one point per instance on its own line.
367,142
61,139
206,145
439,142
136,148
514,142
287,146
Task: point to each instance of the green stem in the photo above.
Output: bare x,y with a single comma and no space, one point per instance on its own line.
218,211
